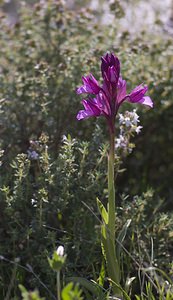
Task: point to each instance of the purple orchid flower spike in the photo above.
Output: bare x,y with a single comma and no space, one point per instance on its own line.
111,94
105,100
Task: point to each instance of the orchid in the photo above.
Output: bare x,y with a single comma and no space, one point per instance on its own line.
105,100
111,94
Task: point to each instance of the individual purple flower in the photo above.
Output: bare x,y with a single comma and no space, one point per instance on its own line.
111,94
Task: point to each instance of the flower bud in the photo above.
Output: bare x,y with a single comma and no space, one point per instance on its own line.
60,251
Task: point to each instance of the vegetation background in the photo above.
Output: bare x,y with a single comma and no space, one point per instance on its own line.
45,48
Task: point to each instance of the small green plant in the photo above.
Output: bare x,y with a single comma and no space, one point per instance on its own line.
30,295
56,263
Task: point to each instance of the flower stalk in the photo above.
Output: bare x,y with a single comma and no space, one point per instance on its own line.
112,262
111,186
56,263
58,283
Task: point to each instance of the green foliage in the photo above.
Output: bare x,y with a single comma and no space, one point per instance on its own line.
29,295
148,245
51,199
91,288
71,292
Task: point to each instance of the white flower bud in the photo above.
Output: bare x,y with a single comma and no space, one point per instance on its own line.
60,251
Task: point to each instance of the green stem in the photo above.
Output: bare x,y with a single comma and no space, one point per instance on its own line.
58,285
112,262
111,187
41,212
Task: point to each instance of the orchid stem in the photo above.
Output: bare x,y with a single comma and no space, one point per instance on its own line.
112,262
111,187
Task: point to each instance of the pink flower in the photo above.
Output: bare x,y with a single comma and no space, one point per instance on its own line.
111,94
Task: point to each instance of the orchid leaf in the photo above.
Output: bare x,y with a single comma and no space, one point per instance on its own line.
102,211
102,274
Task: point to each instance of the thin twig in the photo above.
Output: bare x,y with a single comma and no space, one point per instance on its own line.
28,269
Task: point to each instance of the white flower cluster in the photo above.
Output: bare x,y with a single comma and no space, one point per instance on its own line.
130,120
121,142
128,127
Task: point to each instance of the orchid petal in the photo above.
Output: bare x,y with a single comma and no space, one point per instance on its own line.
137,94
90,86
84,114
91,109
146,101
110,67
121,90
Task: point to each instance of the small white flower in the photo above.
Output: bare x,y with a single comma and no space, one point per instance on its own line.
127,122
37,67
121,142
134,117
64,138
138,129
121,118
34,202
60,251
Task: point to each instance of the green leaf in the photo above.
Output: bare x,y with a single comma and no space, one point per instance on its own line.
102,274
71,292
29,295
125,295
121,237
128,283
92,287
137,297
102,211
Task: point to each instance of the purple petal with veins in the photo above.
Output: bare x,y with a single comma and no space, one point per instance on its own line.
90,86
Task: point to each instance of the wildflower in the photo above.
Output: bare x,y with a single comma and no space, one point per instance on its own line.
121,142
34,202
58,259
105,100
108,97
128,127
129,119
32,154
138,129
